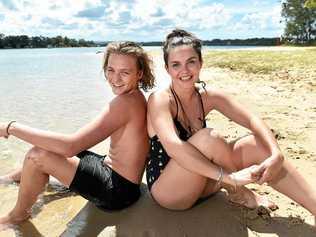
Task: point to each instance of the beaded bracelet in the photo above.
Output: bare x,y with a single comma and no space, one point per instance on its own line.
8,127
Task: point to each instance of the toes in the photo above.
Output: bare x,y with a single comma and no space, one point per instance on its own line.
251,199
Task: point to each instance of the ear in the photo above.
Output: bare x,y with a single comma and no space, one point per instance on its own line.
166,67
140,74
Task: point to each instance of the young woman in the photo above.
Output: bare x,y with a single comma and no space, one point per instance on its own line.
111,182
188,161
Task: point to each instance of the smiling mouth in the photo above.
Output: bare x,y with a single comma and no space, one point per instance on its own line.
117,86
185,78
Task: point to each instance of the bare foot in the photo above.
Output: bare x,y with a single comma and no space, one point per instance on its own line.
12,219
5,223
13,176
6,179
250,199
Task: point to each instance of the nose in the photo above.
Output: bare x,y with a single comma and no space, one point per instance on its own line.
115,77
185,68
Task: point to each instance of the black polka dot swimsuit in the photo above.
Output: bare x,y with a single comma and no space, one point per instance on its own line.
158,157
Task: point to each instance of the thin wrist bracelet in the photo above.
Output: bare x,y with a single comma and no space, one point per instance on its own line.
235,182
8,127
220,177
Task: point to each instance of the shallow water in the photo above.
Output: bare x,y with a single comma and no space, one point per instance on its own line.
54,89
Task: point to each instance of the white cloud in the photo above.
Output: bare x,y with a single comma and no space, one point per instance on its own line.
209,17
137,19
260,21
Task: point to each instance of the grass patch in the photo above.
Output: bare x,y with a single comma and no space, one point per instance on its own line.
261,61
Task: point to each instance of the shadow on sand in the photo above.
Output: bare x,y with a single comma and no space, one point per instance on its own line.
214,217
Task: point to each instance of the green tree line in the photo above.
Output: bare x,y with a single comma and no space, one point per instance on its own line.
225,42
24,41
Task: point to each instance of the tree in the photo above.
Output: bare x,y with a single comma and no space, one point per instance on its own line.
310,4
1,40
300,21
23,41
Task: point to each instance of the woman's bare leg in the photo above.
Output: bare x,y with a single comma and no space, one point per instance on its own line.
215,147
249,150
168,190
37,167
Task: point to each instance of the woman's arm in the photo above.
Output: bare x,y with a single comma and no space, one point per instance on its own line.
185,154
114,116
239,114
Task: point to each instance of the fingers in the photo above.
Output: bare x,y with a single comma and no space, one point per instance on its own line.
256,172
266,177
245,176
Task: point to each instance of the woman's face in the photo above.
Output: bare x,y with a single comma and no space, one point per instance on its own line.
184,65
122,73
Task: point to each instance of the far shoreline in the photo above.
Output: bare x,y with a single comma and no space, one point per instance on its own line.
212,47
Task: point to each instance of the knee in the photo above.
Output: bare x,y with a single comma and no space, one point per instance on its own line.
206,135
35,157
257,143
208,139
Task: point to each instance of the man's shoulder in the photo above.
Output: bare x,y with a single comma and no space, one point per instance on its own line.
129,102
128,98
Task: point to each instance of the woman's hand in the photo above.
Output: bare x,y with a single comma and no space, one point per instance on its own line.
269,168
244,176
3,130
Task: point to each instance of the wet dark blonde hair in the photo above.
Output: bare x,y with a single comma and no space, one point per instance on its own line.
144,62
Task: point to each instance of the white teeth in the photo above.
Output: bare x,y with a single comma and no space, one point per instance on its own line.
185,78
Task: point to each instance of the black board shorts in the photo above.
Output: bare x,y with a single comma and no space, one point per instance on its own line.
101,185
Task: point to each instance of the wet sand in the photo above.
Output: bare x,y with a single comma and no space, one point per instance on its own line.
285,102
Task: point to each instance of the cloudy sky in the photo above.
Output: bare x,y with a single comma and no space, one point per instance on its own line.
140,20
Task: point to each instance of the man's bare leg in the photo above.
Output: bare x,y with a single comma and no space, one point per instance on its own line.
13,176
37,167
32,184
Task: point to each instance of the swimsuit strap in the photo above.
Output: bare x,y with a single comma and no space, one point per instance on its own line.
184,113
202,106
175,96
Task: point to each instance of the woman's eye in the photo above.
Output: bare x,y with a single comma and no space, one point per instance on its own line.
192,62
175,65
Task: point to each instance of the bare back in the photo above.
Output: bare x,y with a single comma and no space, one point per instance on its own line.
129,144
